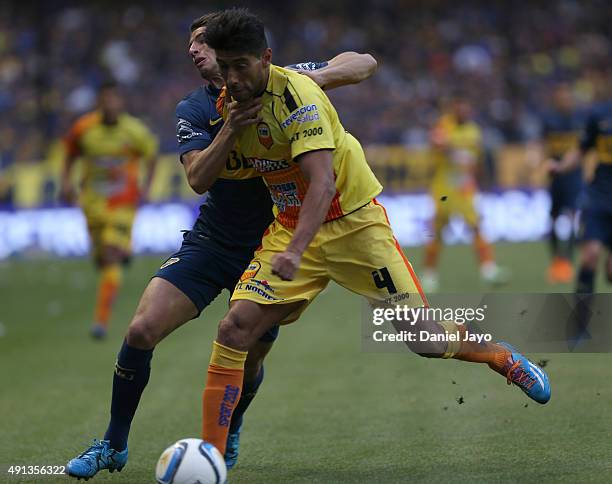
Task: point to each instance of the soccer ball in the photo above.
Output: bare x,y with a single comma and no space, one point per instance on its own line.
191,461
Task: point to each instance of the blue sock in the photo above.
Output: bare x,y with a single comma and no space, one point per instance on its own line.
586,281
249,390
131,376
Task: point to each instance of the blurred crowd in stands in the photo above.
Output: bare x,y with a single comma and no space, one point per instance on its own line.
503,55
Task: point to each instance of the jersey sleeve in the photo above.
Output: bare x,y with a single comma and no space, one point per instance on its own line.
589,135
72,139
308,125
307,66
191,130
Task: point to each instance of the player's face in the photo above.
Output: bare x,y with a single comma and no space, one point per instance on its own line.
203,57
462,110
245,75
563,98
110,103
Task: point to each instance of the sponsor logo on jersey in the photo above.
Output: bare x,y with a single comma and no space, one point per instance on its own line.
264,135
250,271
213,122
266,166
169,262
304,114
185,131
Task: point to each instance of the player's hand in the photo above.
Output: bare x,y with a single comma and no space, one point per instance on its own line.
286,264
242,114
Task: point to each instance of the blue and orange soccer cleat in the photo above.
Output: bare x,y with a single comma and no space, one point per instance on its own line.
97,457
232,448
526,375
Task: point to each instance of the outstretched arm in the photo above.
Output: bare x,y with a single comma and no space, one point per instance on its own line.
346,68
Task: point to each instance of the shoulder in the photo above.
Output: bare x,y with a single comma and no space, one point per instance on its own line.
195,106
292,86
84,122
132,122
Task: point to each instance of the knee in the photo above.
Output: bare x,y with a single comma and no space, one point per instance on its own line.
235,331
141,333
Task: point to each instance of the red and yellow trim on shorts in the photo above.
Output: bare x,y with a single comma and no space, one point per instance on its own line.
415,279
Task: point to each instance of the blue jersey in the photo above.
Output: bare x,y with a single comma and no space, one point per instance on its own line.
237,208
560,132
597,135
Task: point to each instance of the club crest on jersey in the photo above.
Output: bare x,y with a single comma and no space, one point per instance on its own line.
264,135
169,262
251,271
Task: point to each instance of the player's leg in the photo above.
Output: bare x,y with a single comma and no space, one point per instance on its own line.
595,231
109,282
433,248
259,301
563,192
253,378
114,242
185,284
162,308
383,274
490,271
245,322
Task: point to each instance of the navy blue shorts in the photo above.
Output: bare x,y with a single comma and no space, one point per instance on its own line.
564,191
202,268
596,224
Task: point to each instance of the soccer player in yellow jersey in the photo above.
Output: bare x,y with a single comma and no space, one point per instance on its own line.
112,146
456,146
328,226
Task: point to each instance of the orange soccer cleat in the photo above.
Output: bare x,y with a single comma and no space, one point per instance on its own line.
560,271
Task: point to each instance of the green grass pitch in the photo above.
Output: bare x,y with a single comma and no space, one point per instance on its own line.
327,412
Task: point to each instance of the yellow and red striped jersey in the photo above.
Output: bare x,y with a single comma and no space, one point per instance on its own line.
111,155
297,117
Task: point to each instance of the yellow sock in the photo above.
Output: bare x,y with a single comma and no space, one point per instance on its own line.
221,394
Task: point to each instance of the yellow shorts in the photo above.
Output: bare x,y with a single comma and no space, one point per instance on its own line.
453,202
358,251
108,226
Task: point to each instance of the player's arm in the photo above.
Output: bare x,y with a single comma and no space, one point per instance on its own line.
317,168
67,192
149,147
204,166
150,166
346,68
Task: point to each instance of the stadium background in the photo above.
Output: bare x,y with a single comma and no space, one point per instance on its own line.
53,56
505,56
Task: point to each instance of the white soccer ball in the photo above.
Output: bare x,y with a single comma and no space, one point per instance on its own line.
191,461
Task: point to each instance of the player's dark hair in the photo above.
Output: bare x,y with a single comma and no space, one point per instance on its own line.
237,30
108,85
203,21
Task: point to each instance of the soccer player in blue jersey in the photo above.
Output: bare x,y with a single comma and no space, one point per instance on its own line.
560,130
596,204
214,253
